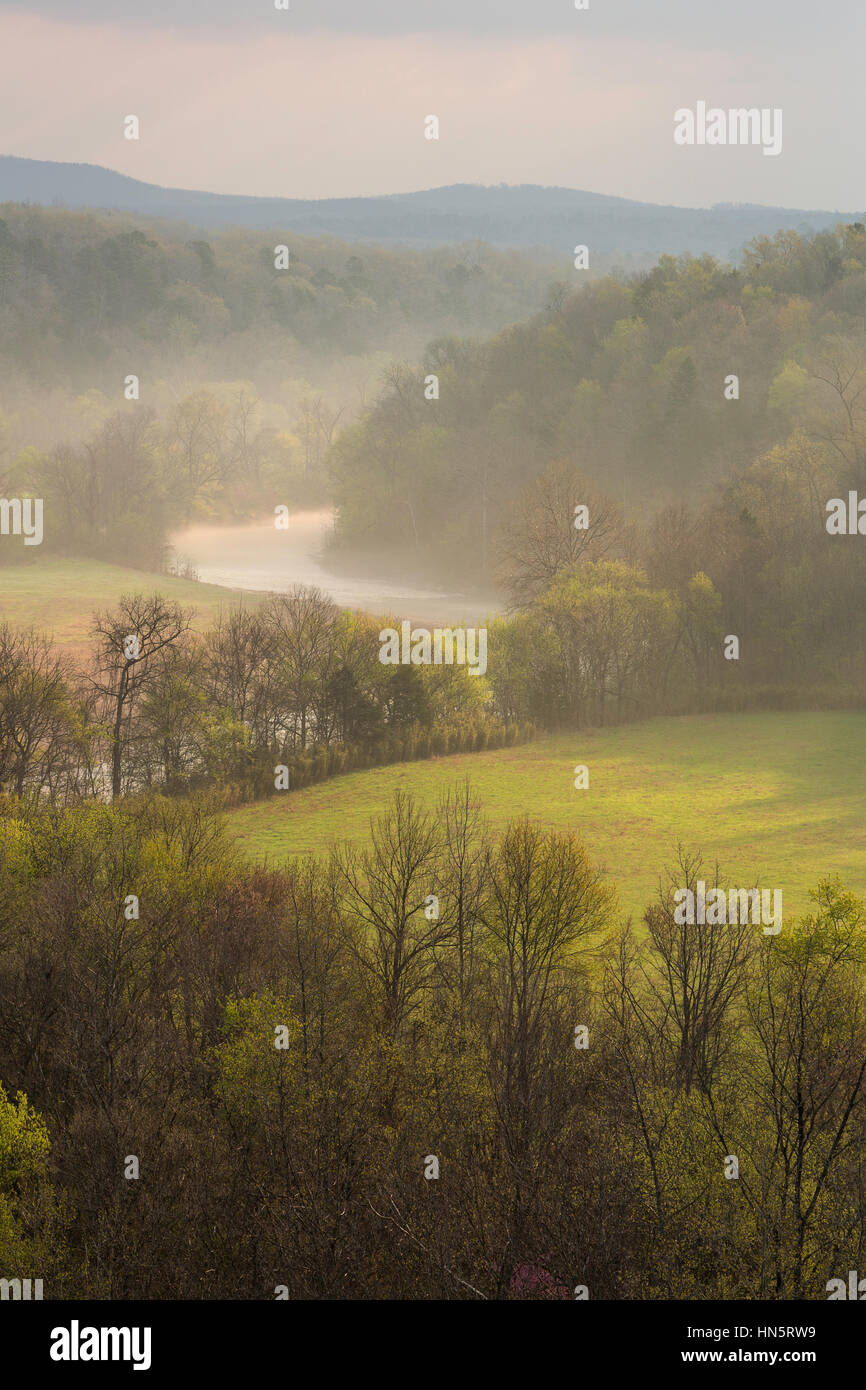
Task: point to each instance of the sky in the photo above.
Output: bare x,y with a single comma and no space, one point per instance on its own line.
329,98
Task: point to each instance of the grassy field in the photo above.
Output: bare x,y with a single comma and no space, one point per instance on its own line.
60,596
777,798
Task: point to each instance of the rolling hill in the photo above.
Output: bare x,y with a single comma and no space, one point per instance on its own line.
777,798
524,216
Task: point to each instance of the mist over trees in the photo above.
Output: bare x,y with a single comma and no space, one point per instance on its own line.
436,1063
626,381
293,682
77,289
150,375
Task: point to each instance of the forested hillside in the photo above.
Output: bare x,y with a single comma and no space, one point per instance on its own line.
628,382
282,1056
526,215
701,416
84,293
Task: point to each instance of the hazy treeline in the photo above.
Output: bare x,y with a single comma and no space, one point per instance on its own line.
625,380
622,620
542,219
242,1080
83,292
87,299
597,639
217,453
294,682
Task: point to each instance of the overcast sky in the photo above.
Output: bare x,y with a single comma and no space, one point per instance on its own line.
329,98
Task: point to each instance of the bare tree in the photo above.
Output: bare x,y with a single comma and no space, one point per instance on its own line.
695,974
545,905
302,624
384,890
36,710
542,539
130,643
465,854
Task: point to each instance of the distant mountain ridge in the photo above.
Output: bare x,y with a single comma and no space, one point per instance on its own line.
523,216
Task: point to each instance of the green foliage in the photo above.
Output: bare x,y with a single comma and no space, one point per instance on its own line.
332,1090
75,288
627,379
776,795
25,1188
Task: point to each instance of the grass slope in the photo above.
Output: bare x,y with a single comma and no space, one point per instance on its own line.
60,596
778,798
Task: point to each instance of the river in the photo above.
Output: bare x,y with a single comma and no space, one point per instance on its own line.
257,556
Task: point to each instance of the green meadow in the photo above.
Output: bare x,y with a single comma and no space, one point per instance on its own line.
777,798
60,596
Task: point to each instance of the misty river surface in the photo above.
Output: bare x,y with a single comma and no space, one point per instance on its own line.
259,557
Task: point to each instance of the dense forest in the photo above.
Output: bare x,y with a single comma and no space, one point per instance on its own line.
729,400
80,289
432,1066
437,1063
628,380
432,680
88,299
